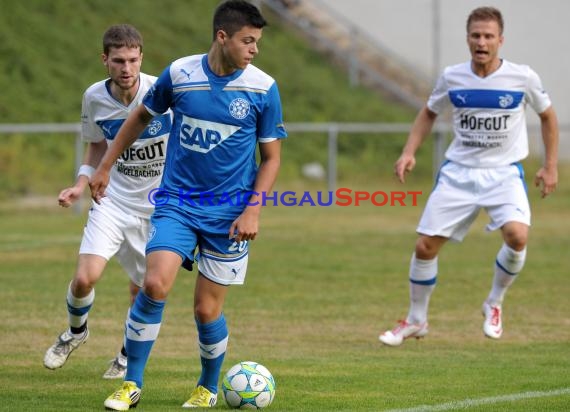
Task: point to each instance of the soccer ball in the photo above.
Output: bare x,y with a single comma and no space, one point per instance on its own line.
248,385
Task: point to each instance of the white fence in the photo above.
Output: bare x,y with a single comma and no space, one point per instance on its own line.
332,130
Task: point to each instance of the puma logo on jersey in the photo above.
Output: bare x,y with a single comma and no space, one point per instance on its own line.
107,130
186,73
202,136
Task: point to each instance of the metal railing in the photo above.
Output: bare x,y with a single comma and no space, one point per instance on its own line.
334,129
41,128
331,129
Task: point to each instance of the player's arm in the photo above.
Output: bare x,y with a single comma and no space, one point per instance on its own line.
420,129
131,129
547,175
93,154
246,226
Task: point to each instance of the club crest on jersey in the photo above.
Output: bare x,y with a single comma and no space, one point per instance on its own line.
202,136
154,127
506,100
239,108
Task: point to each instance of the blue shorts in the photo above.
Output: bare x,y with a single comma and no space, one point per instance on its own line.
220,259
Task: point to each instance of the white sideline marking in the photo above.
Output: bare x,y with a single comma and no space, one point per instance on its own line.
467,403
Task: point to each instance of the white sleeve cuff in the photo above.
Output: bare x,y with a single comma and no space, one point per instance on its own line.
86,170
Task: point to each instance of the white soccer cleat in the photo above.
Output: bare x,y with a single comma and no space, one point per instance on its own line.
117,368
403,330
57,354
493,324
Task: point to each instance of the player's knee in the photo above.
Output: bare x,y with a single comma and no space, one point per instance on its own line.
82,284
206,312
517,241
155,288
516,237
427,248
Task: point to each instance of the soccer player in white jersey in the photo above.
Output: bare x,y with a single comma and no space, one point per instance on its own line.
488,96
118,225
211,192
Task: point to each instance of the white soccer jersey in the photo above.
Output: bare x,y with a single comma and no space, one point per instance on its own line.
489,119
139,169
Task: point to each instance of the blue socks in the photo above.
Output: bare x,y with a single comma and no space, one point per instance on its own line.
212,342
141,330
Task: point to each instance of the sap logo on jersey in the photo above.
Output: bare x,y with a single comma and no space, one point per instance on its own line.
202,136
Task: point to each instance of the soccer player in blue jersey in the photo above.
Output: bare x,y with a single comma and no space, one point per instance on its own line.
118,226
482,169
211,191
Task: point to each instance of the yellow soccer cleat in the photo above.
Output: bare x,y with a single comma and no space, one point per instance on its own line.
201,398
124,398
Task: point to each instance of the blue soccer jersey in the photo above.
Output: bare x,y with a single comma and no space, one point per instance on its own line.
218,122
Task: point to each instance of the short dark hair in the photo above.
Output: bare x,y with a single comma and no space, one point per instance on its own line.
232,15
486,14
122,35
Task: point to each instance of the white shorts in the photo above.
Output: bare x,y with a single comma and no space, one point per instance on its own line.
461,192
110,231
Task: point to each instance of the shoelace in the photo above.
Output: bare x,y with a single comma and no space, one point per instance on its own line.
60,350
495,315
115,367
201,398
62,347
118,394
401,325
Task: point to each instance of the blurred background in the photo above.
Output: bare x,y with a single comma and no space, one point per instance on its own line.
351,75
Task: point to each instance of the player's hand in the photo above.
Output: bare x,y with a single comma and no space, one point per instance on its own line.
404,164
98,184
68,196
546,179
246,226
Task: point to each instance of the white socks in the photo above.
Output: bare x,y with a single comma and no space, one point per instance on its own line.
423,277
508,264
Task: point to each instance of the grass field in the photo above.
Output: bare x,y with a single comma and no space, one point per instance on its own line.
322,283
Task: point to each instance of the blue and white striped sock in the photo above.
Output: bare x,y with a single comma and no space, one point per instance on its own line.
213,342
78,310
141,331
